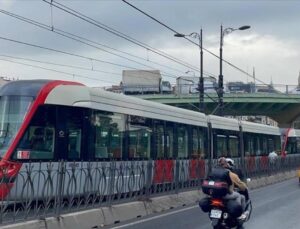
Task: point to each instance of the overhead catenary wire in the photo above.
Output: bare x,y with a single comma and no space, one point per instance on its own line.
81,40
73,54
174,31
64,52
57,71
118,33
61,65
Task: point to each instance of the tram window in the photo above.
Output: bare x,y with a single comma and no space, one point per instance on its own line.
160,141
74,126
139,142
197,144
182,135
277,144
170,140
249,145
292,145
102,143
41,142
271,145
221,146
38,141
264,146
297,148
258,145
109,131
74,147
233,146
116,143
202,140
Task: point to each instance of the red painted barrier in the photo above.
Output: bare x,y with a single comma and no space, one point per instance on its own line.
196,169
250,164
264,162
163,171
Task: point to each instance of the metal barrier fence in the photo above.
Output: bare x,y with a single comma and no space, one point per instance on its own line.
50,189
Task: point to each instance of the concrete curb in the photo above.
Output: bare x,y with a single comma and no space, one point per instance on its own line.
97,218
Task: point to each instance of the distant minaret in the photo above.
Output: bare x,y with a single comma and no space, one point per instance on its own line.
271,83
299,80
254,74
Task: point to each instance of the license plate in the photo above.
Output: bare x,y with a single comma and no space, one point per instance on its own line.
216,214
211,183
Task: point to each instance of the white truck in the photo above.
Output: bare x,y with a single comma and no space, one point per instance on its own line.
189,85
144,82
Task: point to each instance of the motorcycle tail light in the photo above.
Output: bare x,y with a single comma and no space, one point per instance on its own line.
217,203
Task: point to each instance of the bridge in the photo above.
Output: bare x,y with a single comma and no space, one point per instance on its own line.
283,108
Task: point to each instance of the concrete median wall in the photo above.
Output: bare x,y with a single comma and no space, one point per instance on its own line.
98,218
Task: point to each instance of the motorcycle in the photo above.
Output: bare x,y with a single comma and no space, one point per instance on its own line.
219,209
222,219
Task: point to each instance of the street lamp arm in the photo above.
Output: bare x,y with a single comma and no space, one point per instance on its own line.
194,35
201,84
228,30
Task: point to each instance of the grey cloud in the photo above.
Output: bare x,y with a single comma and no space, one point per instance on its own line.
275,18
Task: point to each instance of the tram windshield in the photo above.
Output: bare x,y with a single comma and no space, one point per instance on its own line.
12,112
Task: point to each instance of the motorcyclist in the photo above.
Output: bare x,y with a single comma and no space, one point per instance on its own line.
235,181
240,175
235,202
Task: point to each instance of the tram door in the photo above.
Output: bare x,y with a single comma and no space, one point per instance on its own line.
70,122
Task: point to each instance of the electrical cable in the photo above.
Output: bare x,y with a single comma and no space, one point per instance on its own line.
78,39
57,71
168,27
60,65
117,33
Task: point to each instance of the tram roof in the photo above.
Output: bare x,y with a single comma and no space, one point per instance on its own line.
294,133
218,122
252,127
73,95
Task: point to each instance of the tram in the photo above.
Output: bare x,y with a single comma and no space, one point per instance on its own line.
291,144
44,122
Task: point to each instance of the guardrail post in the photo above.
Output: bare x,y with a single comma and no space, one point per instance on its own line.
176,180
60,187
111,180
149,172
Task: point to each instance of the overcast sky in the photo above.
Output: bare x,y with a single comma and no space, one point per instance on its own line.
271,46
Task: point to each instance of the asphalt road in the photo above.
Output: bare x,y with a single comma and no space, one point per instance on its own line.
274,207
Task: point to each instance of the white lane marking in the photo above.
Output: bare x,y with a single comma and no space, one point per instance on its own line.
155,217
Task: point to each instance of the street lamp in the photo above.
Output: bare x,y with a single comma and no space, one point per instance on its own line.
220,86
187,72
201,84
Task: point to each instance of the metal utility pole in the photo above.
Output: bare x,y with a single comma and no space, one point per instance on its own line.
201,80
220,83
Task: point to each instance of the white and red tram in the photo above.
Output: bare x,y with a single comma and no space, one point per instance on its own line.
44,122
